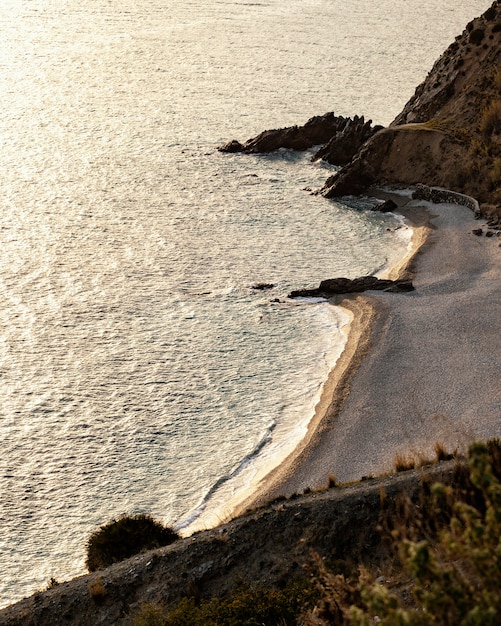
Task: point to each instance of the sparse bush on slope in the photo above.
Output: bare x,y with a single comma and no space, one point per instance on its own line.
246,606
449,574
456,580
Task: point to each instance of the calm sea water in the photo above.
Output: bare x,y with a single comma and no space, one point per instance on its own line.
139,372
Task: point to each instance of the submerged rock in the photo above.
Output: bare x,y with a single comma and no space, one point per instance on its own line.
262,286
388,206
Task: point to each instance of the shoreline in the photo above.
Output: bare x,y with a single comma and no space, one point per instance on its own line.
425,370
365,315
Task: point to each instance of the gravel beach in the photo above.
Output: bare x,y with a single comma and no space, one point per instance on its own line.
419,368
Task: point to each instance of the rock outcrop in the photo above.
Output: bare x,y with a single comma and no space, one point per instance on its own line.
335,286
449,133
339,136
343,146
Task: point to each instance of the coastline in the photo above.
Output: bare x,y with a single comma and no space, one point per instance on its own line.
410,361
365,315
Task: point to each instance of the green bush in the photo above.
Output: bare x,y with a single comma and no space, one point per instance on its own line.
246,606
122,538
455,581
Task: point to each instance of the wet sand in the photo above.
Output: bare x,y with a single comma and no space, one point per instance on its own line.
419,368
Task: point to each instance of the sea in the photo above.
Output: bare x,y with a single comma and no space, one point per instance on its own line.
140,372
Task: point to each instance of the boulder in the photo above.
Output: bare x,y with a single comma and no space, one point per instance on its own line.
388,206
335,286
262,286
232,146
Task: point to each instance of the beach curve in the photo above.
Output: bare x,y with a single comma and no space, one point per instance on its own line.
418,368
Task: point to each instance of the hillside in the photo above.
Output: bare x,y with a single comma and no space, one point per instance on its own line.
270,547
449,133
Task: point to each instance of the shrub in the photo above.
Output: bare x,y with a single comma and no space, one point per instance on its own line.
52,583
122,538
456,580
476,36
149,614
441,453
246,606
403,463
490,121
97,590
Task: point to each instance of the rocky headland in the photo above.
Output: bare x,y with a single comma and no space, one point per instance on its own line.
448,134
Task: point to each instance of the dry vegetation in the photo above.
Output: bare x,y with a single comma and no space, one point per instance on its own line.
446,568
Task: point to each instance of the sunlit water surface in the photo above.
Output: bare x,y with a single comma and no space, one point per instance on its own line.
139,372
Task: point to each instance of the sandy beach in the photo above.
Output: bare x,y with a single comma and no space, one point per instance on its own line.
419,368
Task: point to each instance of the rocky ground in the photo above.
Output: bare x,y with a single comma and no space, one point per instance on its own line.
270,546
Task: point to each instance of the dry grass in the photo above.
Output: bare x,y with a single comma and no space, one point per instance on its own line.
496,80
495,173
52,583
97,590
490,121
403,462
331,481
442,454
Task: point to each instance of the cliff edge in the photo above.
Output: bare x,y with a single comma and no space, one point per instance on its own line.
449,133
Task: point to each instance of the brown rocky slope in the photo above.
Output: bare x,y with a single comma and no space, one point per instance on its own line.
269,547
449,133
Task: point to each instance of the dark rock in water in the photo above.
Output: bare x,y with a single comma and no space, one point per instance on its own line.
262,286
364,283
342,137
305,293
386,207
490,233
232,146
343,146
477,231
333,286
317,130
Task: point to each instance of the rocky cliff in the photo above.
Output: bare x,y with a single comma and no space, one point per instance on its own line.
449,133
340,138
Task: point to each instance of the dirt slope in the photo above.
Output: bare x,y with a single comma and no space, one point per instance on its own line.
269,547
